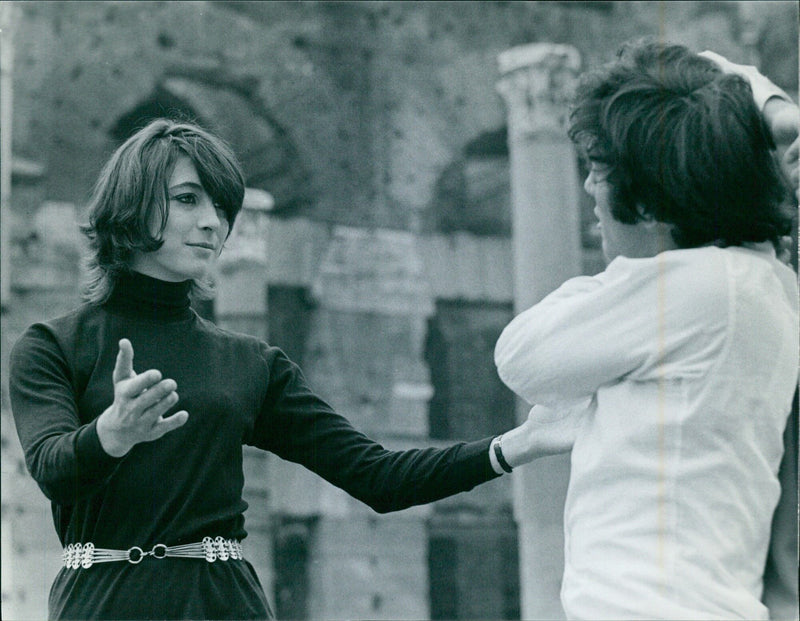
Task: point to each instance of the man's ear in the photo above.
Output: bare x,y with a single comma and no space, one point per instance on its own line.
645,217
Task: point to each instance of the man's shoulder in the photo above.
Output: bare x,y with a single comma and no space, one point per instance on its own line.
705,257
697,280
692,265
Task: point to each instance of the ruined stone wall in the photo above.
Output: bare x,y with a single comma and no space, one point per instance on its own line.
376,97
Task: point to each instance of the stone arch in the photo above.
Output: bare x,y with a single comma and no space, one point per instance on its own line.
160,103
473,192
231,108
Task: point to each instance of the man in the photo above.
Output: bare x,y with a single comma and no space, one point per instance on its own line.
671,373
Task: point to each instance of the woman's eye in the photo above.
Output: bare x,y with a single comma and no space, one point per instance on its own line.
186,199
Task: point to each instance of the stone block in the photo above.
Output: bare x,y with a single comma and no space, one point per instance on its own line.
295,247
408,408
376,271
56,225
468,267
45,253
297,491
241,290
252,324
257,493
247,243
373,568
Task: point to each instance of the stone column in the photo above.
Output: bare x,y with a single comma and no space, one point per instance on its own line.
373,303
6,102
536,81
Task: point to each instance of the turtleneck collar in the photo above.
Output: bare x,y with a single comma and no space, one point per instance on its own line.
146,297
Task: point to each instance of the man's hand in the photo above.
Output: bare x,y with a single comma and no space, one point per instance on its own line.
140,402
547,431
791,166
781,114
783,119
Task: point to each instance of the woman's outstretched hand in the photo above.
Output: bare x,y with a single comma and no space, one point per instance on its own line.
140,402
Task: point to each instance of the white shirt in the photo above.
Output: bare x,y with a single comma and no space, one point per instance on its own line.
686,364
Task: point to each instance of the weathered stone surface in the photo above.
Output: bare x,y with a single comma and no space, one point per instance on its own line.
369,568
48,257
378,271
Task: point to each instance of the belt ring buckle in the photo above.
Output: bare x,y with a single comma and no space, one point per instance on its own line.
135,555
159,551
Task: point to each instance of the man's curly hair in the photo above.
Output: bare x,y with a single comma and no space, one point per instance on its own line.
687,146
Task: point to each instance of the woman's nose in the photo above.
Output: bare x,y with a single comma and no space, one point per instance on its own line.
208,218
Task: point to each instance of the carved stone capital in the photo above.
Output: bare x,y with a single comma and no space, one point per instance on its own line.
537,82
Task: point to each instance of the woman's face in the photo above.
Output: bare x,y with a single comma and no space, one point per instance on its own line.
193,235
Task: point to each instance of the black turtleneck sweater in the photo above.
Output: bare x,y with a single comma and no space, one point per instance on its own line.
187,484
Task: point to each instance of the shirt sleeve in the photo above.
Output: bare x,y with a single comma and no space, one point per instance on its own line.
781,571
763,88
298,426
64,456
641,319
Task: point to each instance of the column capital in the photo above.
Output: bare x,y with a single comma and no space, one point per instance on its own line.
536,83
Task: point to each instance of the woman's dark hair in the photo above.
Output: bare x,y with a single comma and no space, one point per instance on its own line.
129,206
687,146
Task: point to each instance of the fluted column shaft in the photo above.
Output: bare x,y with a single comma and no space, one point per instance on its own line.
536,85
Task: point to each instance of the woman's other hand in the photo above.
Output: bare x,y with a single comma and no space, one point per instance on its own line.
140,402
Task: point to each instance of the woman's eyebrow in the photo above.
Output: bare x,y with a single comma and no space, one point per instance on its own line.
186,185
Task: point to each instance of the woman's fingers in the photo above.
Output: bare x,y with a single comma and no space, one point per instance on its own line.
156,394
123,368
132,388
163,425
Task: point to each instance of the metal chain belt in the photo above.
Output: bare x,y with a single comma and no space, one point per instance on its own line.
85,555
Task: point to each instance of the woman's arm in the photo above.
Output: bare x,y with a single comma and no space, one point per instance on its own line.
780,574
68,458
63,455
298,426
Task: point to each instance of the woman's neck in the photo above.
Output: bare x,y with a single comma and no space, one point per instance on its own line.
146,297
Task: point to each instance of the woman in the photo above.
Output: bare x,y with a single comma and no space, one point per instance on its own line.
144,470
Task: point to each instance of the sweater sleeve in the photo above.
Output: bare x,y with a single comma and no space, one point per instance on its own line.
641,319
64,456
298,426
